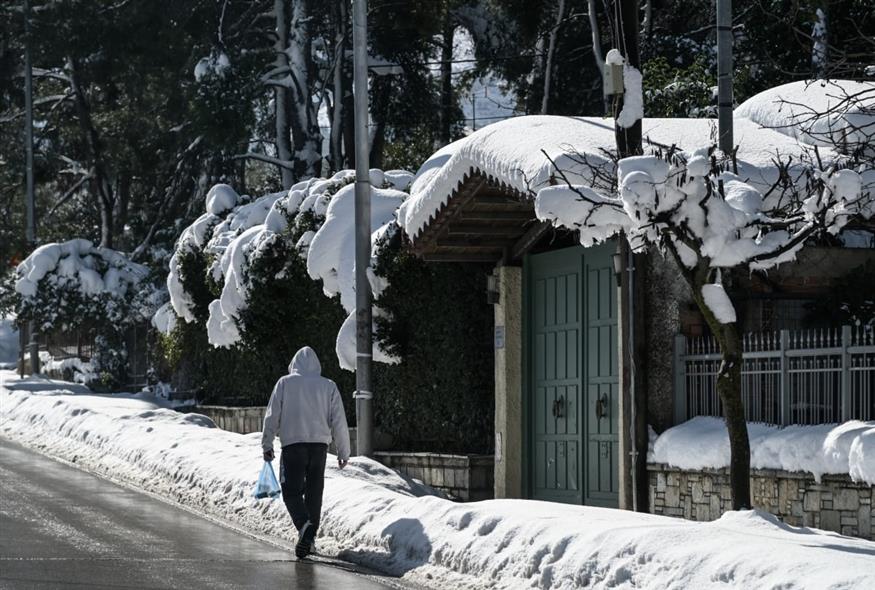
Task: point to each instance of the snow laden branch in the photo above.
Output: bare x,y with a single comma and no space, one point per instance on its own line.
707,215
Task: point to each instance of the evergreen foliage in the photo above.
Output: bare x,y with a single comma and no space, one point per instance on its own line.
440,397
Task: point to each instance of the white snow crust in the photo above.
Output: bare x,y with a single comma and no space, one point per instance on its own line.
633,97
702,443
78,263
718,302
510,152
373,516
817,112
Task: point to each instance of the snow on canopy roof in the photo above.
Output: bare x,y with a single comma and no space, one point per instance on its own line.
817,112
512,153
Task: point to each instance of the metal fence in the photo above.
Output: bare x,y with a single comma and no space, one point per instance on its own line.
816,376
80,343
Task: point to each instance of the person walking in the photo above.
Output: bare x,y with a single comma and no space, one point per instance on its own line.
306,411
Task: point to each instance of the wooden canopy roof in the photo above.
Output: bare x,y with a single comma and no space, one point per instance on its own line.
483,220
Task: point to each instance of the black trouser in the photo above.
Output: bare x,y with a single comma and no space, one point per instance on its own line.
302,477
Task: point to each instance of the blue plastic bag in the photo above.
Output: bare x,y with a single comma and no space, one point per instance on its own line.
267,485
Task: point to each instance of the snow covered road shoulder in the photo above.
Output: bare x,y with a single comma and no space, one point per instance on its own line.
375,517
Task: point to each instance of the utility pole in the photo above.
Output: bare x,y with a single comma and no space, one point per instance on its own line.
633,426
33,345
364,403
626,27
724,76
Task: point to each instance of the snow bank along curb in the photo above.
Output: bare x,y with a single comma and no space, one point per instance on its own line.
374,517
702,443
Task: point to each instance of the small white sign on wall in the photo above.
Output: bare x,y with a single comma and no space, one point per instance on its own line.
499,337
498,447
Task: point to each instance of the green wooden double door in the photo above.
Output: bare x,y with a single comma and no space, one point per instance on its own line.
571,375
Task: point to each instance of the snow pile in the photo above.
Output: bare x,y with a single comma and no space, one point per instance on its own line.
702,443
817,112
236,230
79,265
8,343
528,154
72,368
374,517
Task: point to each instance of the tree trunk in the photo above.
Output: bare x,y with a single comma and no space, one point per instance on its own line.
99,186
341,15
551,51
123,201
306,137
281,94
596,36
382,89
446,79
729,390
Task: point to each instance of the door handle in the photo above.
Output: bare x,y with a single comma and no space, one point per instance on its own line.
559,407
601,407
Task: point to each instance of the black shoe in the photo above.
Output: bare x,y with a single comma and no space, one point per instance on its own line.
305,540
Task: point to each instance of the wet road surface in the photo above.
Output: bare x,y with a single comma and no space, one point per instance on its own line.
61,527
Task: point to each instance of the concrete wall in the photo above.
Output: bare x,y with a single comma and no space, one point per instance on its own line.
461,477
508,384
835,504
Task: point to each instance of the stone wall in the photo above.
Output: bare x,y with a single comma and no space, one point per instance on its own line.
835,504
462,477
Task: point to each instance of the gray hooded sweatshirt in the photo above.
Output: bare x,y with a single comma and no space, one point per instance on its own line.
305,407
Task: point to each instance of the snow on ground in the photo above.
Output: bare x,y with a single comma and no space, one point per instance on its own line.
702,443
375,517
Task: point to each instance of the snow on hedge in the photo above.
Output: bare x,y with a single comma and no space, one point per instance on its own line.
375,517
235,231
79,264
702,443
818,112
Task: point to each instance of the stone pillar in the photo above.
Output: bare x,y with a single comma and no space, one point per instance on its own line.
508,384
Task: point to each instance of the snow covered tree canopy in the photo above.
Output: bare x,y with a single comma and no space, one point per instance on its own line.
315,219
69,282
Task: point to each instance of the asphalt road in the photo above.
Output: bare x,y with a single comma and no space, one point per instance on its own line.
61,527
